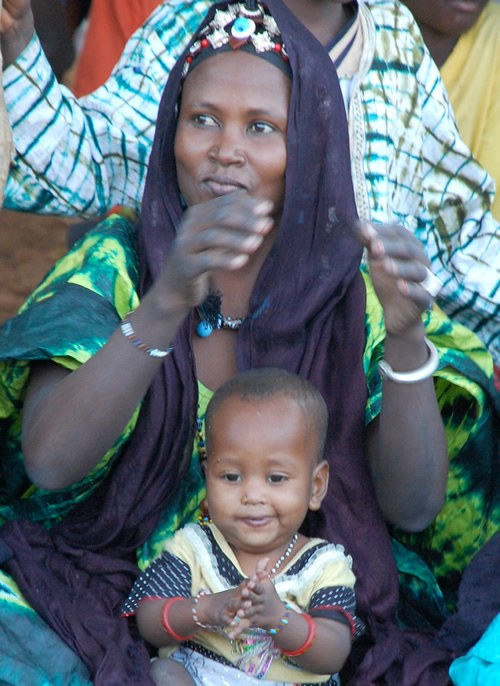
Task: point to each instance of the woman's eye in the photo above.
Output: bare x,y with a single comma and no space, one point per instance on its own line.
261,127
204,120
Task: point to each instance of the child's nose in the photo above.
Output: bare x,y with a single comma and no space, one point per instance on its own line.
253,492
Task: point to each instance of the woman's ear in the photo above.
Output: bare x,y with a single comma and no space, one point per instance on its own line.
320,478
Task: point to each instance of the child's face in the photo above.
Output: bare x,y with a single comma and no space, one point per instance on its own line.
262,473
231,130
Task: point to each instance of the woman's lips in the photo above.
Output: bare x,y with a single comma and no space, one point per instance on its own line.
219,185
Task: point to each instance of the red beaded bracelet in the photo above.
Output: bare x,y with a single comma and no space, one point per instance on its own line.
165,622
310,638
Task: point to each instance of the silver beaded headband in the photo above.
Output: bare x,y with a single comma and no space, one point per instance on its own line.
246,26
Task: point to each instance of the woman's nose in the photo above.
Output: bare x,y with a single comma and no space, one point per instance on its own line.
228,148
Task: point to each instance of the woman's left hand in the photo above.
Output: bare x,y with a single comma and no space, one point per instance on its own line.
400,273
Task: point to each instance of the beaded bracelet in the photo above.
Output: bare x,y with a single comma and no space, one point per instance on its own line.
310,638
128,331
165,620
194,610
283,620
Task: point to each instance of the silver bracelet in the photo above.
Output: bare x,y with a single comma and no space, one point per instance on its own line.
128,331
423,372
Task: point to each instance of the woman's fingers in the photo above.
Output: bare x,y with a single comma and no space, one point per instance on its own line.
223,233
399,253
386,241
226,228
400,272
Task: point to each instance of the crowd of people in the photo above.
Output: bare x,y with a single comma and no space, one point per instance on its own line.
285,327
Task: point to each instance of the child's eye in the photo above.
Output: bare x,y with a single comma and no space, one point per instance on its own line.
261,127
231,477
204,120
277,478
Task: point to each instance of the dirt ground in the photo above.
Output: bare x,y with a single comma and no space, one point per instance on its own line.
29,246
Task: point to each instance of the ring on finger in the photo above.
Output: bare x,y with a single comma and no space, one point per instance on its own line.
431,283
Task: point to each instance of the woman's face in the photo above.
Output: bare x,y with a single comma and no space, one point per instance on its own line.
447,17
231,131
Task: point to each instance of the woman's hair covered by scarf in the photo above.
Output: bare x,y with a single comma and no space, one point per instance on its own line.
306,315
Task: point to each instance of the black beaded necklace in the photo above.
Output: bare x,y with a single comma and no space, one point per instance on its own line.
211,317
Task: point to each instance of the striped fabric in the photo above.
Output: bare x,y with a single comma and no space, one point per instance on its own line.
408,162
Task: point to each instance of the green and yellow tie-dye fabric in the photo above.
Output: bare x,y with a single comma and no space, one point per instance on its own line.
466,396
71,314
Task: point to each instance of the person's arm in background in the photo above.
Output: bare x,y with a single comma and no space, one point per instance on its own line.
418,172
84,157
462,237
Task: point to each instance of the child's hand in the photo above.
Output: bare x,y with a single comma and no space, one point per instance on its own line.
261,606
220,609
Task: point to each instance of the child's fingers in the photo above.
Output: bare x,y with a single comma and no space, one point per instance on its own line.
237,625
261,566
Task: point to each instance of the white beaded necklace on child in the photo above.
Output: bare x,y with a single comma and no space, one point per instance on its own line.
285,555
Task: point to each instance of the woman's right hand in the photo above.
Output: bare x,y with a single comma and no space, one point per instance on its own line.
220,234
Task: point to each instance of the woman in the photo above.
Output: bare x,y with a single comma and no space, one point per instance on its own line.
409,164
281,250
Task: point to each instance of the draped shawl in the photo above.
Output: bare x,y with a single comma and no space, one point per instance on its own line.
306,315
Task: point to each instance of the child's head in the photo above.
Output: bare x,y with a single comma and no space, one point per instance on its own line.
265,434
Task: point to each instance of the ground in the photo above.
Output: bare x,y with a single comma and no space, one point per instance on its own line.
29,246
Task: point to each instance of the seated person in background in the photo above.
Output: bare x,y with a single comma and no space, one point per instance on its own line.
409,163
245,255
243,589
464,41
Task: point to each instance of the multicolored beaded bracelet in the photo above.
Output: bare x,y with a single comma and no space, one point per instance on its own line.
310,638
194,610
166,622
128,331
283,620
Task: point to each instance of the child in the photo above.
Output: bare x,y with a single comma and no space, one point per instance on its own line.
243,589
